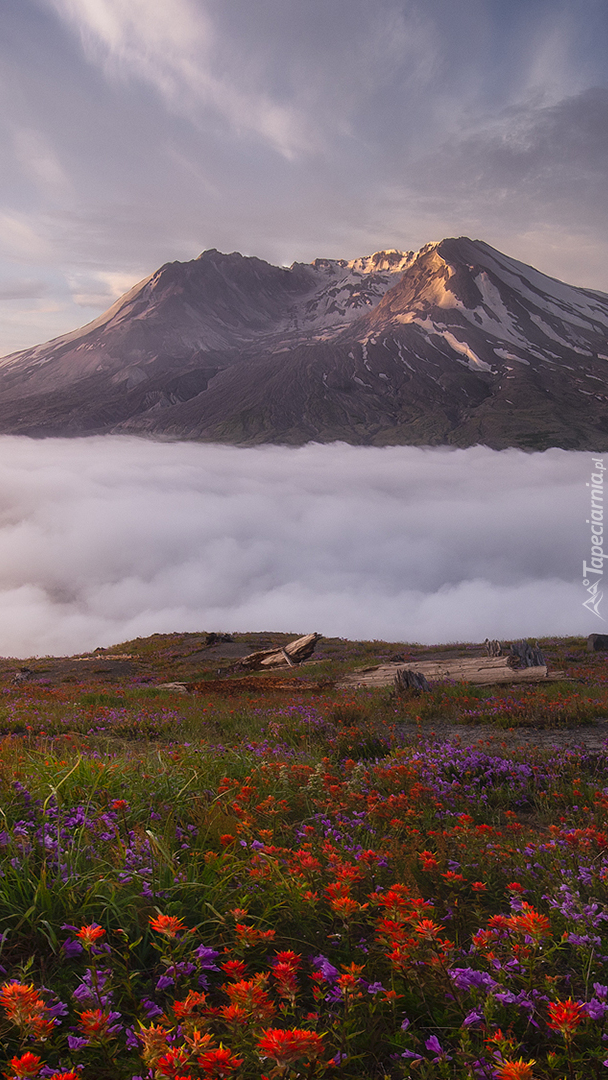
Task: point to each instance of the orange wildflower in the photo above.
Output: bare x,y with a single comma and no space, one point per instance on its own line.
515,1070
250,995
96,1023
530,922
191,1004
428,929
171,1062
25,1008
154,1040
90,934
565,1016
219,1063
25,1066
288,1046
234,969
169,925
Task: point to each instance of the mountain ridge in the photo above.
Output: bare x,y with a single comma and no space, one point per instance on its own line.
453,344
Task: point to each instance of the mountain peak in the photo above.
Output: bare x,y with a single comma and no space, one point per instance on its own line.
455,343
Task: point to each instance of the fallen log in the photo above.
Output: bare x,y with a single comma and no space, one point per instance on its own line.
285,656
479,671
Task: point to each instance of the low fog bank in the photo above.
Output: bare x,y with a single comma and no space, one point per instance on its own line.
106,539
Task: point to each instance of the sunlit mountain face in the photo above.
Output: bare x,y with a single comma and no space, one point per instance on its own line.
454,344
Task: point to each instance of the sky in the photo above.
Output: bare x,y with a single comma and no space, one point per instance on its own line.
138,132
110,538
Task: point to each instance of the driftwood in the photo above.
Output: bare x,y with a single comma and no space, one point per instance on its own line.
523,655
23,675
480,671
493,648
288,656
406,679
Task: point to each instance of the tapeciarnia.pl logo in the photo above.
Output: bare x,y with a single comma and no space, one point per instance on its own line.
593,571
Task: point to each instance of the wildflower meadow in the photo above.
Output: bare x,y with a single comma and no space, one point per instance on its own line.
271,884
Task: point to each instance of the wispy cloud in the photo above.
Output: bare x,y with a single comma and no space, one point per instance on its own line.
173,47
105,539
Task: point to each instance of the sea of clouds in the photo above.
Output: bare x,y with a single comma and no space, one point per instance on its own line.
105,539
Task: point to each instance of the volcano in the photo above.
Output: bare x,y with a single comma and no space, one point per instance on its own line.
455,344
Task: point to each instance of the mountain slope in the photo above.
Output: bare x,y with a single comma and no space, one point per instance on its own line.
454,344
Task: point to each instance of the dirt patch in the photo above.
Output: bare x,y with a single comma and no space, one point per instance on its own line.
252,684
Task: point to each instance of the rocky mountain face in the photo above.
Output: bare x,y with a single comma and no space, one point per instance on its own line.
454,344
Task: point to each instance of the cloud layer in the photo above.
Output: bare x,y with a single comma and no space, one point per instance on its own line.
105,539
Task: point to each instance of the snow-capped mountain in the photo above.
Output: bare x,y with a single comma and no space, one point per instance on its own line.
455,343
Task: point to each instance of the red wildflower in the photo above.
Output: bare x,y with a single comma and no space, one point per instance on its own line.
565,1016
25,1007
97,1023
168,925
71,1075
25,1066
90,934
287,980
154,1039
191,1003
197,1042
219,1063
250,995
292,959
287,1046
428,929
530,922
234,969
515,1070
171,1062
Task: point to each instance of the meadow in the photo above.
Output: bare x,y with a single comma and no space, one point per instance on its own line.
245,882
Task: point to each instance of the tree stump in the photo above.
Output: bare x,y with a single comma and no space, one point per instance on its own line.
523,655
406,679
493,648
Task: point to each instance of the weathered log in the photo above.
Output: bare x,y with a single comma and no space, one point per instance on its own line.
493,648
288,656
406,679
23,675
523,655
480,671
